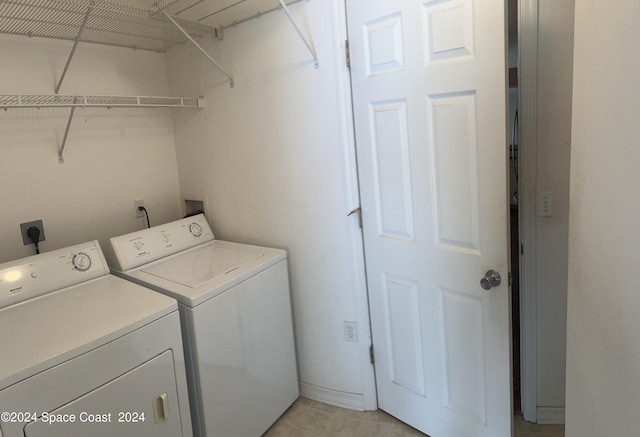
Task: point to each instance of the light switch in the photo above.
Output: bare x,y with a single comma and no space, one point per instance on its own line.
545,204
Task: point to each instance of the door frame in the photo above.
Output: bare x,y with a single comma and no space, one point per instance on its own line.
369,398
527,151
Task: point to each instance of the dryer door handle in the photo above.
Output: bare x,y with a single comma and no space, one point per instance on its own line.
160,408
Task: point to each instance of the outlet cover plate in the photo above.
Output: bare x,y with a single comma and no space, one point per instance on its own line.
545,204
24,227
350,331
137,204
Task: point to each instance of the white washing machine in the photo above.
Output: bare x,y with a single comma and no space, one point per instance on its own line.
236,319
84,353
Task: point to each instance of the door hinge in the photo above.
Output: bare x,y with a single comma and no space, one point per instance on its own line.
218,32
347,53
371,356
358,211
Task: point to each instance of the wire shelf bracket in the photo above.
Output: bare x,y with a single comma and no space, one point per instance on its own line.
285,8
75,44
198,46
37,101
66,134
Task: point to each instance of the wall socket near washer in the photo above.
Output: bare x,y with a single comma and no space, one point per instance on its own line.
137,204
24,228
350,331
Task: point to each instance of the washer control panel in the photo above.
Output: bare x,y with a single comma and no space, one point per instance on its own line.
26,278
142,247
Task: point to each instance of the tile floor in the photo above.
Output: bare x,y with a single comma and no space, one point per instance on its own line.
307,418
527,429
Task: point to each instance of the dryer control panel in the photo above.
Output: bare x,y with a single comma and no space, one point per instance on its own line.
30,277
142,247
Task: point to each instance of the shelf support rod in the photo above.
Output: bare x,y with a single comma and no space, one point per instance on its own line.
66,133
295,25
198,46
75,44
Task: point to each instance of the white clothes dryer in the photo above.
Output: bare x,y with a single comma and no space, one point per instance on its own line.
236,318
85,353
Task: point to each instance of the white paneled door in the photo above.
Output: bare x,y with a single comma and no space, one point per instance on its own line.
429,95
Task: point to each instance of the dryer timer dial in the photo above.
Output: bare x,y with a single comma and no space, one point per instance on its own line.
81,261
195,229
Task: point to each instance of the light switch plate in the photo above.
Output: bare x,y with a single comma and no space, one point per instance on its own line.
545,204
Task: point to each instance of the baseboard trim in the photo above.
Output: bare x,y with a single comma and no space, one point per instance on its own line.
550,415
352,401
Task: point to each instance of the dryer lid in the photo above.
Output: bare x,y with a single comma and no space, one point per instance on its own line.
50,329
197,267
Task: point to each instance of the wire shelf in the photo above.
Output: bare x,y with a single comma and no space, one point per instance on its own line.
217,13
125,25
9,101
168,24
108,23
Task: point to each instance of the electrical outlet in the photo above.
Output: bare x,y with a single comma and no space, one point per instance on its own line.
545,204
138,204
24,227
350,331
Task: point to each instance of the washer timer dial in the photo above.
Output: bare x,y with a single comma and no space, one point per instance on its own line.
81,261
195,229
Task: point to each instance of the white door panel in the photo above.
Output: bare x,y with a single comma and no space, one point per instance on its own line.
430,114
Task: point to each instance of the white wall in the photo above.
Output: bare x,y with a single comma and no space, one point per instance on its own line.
555,69
272,156
112,157
603,352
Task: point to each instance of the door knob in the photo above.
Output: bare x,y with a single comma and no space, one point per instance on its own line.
491,279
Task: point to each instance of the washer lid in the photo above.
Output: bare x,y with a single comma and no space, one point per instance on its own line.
196,268
196,275
45,331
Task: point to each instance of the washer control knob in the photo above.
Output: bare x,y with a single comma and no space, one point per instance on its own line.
195,229
138,245
81,261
